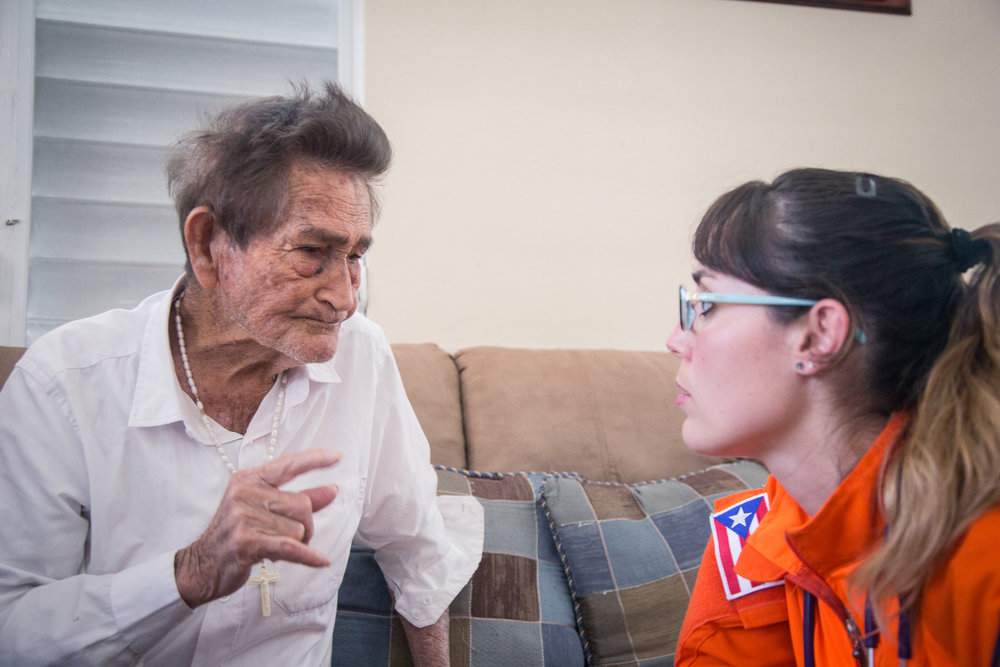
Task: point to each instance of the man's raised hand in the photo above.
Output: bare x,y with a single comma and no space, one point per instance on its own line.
255,520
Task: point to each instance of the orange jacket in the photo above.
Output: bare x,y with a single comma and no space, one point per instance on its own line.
959,620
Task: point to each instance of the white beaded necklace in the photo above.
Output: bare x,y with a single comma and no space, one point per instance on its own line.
264,579
282,379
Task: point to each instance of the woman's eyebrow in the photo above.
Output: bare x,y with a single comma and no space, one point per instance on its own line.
699,275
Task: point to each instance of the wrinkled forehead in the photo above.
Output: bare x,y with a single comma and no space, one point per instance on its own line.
317,187
316,195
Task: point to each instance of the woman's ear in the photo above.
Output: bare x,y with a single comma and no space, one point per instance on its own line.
199,229
825,333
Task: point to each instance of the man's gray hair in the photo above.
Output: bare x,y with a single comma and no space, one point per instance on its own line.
239,164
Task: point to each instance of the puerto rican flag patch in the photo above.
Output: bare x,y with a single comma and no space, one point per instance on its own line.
730,529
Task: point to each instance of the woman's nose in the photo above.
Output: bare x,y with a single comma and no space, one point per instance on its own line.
677,342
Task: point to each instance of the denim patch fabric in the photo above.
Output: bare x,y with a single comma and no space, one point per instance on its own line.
516,610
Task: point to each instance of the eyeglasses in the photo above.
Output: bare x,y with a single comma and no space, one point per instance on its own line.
688,299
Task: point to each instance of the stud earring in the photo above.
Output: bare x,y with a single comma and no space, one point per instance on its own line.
799,366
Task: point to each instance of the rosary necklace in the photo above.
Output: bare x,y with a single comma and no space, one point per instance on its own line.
265,578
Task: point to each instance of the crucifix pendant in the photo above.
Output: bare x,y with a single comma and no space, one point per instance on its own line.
264,580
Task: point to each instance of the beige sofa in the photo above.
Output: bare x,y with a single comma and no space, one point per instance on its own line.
590,552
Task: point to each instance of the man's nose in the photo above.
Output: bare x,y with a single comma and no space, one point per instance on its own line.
340,286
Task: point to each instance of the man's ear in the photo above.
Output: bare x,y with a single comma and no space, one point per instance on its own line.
825,333
199,230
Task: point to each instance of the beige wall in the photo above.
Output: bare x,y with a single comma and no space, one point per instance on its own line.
553,156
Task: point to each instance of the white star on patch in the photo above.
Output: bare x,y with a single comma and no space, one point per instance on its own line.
740,518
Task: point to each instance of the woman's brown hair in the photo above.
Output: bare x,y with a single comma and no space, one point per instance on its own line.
932,339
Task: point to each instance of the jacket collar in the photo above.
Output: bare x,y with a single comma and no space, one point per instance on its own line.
846,526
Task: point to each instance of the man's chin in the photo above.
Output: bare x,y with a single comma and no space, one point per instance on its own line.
314,351
321,357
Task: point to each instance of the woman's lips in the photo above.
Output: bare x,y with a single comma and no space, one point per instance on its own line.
683,397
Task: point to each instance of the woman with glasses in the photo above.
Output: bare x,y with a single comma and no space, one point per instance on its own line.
843,334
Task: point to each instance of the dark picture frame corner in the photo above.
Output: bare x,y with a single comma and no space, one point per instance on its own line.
902,7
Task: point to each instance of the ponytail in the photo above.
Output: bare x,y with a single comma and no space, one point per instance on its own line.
943,473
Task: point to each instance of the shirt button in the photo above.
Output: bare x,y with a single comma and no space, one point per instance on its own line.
427,599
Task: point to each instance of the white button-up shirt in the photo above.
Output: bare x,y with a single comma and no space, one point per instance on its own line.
106,470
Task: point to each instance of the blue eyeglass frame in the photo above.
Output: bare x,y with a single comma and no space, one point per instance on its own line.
688,299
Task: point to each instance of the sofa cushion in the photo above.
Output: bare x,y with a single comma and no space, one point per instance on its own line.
516,610
431,381
607,414
633,552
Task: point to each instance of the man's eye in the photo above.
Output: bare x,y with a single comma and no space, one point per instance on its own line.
308,250
705,307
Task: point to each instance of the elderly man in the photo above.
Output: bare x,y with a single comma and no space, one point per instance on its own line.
182,481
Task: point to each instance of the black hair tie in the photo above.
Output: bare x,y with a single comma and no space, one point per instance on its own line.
964,250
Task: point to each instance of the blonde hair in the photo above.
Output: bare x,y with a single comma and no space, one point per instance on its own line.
943,473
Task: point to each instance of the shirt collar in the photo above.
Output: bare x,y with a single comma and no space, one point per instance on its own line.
324,372
157,397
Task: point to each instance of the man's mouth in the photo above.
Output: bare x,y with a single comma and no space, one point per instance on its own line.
331,325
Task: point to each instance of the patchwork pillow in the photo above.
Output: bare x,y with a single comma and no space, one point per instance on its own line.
516,610
633,551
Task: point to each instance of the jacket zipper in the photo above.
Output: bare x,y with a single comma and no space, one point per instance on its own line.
856,638
829,597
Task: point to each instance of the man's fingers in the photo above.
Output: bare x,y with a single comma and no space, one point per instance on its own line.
256,520
279,548
321,496
282,525
286,468
298,504
301,505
